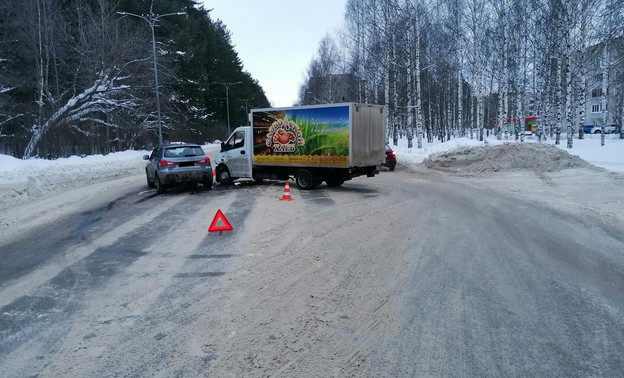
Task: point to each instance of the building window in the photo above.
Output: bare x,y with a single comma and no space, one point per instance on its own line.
598,77
596,93
596,108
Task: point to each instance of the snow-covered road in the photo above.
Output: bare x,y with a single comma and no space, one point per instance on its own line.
417,272
36,191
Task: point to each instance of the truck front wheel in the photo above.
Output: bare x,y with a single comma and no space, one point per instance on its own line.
223,176
305,179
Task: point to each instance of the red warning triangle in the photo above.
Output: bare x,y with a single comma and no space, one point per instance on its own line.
226,226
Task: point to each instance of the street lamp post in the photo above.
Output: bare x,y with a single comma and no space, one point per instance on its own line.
227,100
151,20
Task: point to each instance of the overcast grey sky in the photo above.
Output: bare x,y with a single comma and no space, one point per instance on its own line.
276,39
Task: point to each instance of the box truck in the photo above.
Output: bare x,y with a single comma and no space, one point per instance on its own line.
331,143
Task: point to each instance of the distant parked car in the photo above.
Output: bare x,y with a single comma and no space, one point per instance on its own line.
611,128
178,164
594,129
390,158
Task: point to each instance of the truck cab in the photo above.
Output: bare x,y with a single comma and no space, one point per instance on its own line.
235,158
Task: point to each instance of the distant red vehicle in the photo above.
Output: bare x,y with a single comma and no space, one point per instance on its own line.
390,158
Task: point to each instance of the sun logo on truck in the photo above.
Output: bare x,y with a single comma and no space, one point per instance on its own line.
284,136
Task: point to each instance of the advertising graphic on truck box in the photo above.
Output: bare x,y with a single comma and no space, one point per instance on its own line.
307,135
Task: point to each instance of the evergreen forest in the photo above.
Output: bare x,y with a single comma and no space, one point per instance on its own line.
77,77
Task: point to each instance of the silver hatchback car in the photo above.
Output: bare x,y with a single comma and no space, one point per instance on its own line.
178,164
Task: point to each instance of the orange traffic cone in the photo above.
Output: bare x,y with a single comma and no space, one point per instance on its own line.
286,196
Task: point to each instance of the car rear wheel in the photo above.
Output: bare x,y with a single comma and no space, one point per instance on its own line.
160,188
150,184
391,168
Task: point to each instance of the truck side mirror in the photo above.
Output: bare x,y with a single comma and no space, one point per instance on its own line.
222,146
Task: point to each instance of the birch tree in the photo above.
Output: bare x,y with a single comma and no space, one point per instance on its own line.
102,96
476,21
409,32
604,65
502,51
485,61
417,74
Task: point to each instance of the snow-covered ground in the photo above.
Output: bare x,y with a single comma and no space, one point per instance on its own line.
93,168
36,191
610,156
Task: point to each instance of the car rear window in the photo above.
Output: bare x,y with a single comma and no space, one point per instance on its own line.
184,151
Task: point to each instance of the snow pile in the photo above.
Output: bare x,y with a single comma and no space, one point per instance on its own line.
506,157
413,156
610,156
24,180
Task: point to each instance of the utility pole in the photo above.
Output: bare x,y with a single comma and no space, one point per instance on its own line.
151,19
227,100
245,100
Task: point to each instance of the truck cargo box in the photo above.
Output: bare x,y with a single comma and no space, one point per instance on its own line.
344,135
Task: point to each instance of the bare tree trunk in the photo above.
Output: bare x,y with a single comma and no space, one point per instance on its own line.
582,102
559,102
409,94
419,110
387,65
568,78
622,116
397,125
605,88
460,118
503,79
470,116
583,79
449,118
40,69
519,125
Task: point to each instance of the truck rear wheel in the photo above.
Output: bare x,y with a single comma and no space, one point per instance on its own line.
305,179
334,181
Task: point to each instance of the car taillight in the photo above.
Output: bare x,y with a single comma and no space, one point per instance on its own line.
393,153
204,161
166,163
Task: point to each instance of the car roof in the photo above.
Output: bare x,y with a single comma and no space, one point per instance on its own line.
179,144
